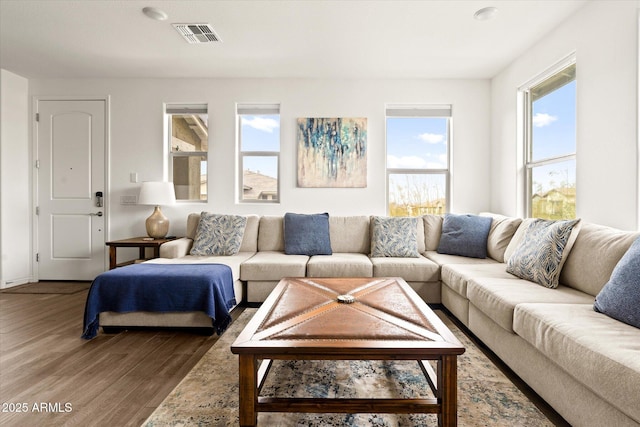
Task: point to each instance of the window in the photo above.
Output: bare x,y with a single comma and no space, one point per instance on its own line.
259,148
188,138
550,143
418,144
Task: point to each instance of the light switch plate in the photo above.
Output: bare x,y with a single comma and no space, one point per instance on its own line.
128,200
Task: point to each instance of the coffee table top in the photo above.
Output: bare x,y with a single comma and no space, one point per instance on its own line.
311,316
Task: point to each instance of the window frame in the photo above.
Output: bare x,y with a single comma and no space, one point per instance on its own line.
245,109
176,108
421,111
527,119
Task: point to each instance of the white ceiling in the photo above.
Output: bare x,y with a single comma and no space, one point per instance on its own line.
262,38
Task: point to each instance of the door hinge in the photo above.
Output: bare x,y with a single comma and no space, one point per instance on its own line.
37,257
37,117
37,164
37,210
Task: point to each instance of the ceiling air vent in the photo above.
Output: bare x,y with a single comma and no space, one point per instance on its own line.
197,33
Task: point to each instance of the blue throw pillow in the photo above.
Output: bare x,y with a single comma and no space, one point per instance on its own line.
307,234
465,235
620,296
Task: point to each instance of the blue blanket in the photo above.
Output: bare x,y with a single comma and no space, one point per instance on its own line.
162,288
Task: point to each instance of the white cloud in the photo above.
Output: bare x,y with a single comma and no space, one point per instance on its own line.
440,163
260,123
406,162
431,138
543,119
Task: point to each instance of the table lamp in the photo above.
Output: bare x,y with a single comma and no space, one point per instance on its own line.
157,193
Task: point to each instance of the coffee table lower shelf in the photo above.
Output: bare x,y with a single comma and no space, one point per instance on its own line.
444,404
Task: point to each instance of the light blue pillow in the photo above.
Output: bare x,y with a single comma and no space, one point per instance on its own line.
464,235
394,237
307,234
620,296
218,234
543,250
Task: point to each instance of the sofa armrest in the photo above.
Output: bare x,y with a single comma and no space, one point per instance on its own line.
176,248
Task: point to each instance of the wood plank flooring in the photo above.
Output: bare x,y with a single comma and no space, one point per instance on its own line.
56,378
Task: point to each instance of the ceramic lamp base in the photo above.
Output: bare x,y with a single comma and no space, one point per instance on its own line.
157,224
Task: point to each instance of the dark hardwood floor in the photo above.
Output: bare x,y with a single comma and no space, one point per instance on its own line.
49,376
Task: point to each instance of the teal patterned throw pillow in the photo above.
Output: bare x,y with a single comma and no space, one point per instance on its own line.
219,234
543,250
394,237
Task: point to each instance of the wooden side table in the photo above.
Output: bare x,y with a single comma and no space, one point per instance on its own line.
135,242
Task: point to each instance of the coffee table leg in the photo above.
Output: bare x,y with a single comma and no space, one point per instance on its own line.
248,390
448,387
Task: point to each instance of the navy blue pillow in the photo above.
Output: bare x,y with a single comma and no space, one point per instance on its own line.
620,296
307,234
465,235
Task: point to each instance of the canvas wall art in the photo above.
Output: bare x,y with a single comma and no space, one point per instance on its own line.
332,152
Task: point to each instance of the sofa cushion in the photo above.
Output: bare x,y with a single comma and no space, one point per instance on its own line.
500,234
443,259
350,234
340,264
598,351
218,234
456,276
271,234
418,269
497,298
464,235
432,231
233,261
603,247
620,296
543,251
306,234
394,237
271,265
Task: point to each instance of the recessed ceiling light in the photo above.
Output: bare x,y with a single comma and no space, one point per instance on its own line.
486,13
155,13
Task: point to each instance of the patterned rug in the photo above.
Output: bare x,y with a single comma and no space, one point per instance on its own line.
208,395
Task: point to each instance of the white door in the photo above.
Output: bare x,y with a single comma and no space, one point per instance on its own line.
71,137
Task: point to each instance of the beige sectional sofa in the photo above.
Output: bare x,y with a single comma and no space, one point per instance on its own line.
585,364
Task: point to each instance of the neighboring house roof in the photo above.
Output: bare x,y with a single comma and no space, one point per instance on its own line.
258,186
566,192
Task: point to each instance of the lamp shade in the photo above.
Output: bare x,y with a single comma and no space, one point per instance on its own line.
157,193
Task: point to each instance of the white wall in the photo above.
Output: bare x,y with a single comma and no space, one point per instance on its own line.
15,181
604,36
137,139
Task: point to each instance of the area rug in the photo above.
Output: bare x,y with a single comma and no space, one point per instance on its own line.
208,395
49,288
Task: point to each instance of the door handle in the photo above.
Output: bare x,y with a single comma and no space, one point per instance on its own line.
99,213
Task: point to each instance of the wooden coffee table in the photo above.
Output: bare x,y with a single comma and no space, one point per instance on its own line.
309,319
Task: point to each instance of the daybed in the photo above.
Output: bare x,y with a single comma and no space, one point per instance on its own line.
585,364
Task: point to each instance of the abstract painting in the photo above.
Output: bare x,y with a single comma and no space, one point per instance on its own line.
332,152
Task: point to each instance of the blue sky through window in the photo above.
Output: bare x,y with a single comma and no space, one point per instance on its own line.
261,133
554,123
553,135
416,143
